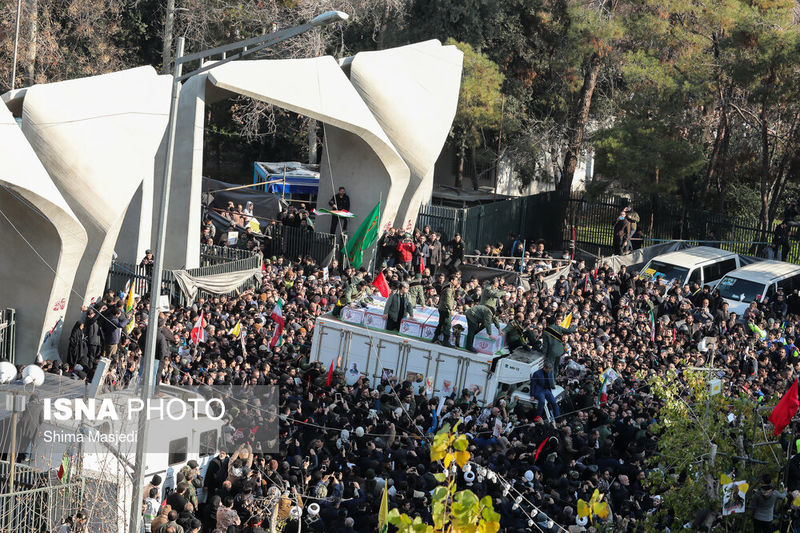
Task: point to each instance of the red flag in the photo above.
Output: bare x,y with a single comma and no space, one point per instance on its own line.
783,413
329,380
540,448
198,334
380,283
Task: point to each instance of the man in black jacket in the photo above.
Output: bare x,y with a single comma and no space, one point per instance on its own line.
339,202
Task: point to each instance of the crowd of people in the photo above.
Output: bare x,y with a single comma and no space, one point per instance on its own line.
341,443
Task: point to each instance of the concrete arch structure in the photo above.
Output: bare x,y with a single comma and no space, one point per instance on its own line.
363,158
413,93
54,236
97,138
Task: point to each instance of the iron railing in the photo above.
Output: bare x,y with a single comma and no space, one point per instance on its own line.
40,510
550,216
295,242
119,274
8,327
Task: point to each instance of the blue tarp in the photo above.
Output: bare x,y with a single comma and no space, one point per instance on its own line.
300,178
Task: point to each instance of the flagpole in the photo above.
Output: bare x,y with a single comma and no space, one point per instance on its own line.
373,262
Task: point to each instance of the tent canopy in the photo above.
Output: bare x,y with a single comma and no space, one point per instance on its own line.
301,178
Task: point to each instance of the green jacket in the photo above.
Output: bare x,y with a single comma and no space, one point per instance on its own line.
515,333
490,296
482,315
552,344
447,299
352,294
394,307
417,295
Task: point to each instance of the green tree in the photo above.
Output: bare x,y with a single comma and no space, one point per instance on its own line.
453,511
698,443
479,103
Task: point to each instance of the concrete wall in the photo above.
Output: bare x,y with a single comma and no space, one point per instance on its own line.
40,257
413,93
97,138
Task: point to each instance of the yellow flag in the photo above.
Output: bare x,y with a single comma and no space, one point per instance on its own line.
796,501
601,509
130,326
725,479
237,329
129,299
744,487
567,321
383,523
583,509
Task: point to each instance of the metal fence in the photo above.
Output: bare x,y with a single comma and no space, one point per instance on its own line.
40,510
551,216
216,255
119,274
8,327
294,242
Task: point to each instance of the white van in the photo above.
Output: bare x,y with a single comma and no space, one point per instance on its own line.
758,281
703,264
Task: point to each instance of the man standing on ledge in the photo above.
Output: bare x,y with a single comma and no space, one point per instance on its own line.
339,202
447,304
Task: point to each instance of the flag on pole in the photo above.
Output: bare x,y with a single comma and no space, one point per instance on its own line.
652,326
602,398
277,317
130,325
342,213
237,329
198,333
363,237
383,512
380,283
540,448
783,413
129,299
329,379
64,469
567,321
244,348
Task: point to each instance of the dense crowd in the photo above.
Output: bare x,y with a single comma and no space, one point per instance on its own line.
340,444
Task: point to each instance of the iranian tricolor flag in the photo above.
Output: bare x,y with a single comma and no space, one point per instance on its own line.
652,326
602,398
277,317
64,469
198,333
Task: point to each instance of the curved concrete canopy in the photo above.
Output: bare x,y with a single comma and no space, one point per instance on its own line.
97,137
314,87
413,93
33,203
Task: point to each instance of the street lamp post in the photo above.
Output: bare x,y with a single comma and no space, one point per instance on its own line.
228,53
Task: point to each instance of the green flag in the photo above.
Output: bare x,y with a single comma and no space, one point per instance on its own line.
363,238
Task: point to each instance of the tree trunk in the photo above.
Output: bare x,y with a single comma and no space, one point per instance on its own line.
716,153
460,172
577,127
30,67
166,49
765,179
475,182
312,141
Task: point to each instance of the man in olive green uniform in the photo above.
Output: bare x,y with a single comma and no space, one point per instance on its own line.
491,294
447,304
416,293
398,306
479,317
553,341
516,335
354,292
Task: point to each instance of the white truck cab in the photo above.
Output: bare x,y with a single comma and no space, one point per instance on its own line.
702,264
758,282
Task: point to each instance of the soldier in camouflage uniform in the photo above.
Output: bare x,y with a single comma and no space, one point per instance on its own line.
447,304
